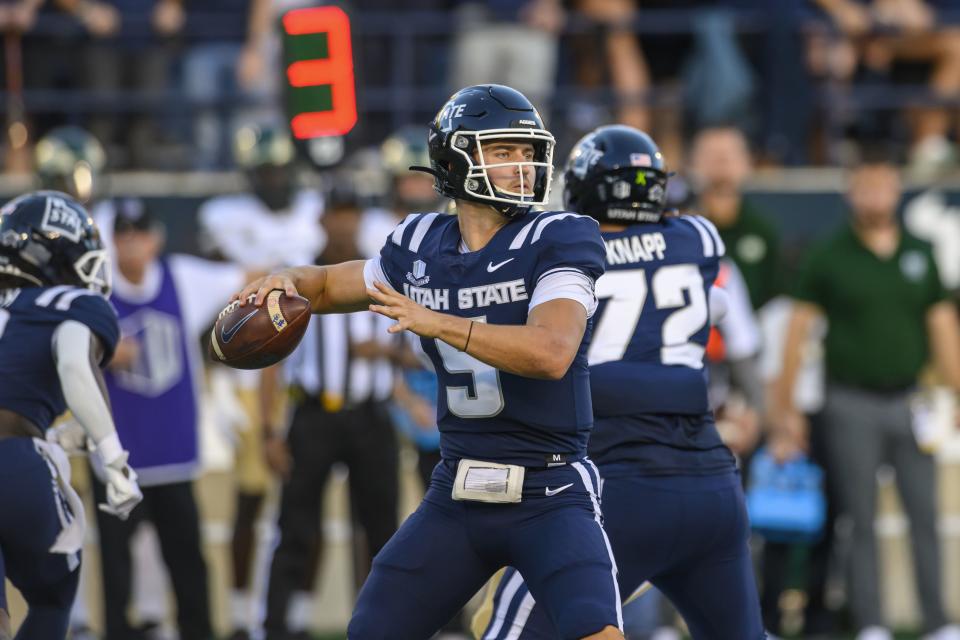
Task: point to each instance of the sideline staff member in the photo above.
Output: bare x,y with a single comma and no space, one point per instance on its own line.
888,313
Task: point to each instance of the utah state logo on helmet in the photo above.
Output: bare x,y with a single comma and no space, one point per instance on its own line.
47,238
616,174
475,116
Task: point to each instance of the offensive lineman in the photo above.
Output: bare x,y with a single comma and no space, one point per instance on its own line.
672,499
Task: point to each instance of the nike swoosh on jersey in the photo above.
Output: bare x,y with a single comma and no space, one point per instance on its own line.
226,335
493,267
553,492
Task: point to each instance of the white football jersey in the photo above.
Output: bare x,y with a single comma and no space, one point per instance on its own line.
246,232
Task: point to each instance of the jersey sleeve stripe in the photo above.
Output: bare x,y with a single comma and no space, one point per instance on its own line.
521,236
543,224
560,270
718,242
67,299
421,230
705,239
397,235
48,296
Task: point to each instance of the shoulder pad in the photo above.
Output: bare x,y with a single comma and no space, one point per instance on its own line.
8,297
410,233
62,297
572,225
713,246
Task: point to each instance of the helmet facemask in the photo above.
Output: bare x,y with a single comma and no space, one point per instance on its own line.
93,269
477,183
13,276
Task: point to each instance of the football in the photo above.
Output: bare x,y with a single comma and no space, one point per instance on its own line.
250,337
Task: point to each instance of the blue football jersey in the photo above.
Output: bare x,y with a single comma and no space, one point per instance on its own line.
29,384
484,413
648,380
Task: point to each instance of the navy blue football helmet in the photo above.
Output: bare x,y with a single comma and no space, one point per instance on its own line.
617,175
47,238
476,116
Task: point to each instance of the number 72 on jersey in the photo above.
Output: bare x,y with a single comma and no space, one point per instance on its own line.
678,286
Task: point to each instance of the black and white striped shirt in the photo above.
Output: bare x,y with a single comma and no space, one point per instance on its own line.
322,365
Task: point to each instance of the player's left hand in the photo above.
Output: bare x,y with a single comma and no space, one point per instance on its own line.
123,492
409,315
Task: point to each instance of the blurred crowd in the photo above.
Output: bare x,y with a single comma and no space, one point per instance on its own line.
163,83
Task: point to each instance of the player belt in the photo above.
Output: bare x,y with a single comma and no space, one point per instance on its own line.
13,425
483,481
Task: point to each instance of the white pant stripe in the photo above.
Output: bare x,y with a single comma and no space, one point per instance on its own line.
596,472
506,597
520,619
585,476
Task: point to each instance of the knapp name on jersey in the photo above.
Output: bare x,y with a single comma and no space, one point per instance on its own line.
469,297
644,247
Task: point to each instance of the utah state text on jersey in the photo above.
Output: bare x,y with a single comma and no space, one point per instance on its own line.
484,413
470,297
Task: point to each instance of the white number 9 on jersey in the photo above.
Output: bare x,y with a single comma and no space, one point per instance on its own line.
487,400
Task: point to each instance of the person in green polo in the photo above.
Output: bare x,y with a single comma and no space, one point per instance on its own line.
888,314
719,165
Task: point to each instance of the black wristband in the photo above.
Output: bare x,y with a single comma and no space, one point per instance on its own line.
469,333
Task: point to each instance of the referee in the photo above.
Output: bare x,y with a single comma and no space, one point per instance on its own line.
341,377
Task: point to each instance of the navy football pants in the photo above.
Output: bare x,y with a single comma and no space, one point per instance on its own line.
685,534
446,551
30,520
